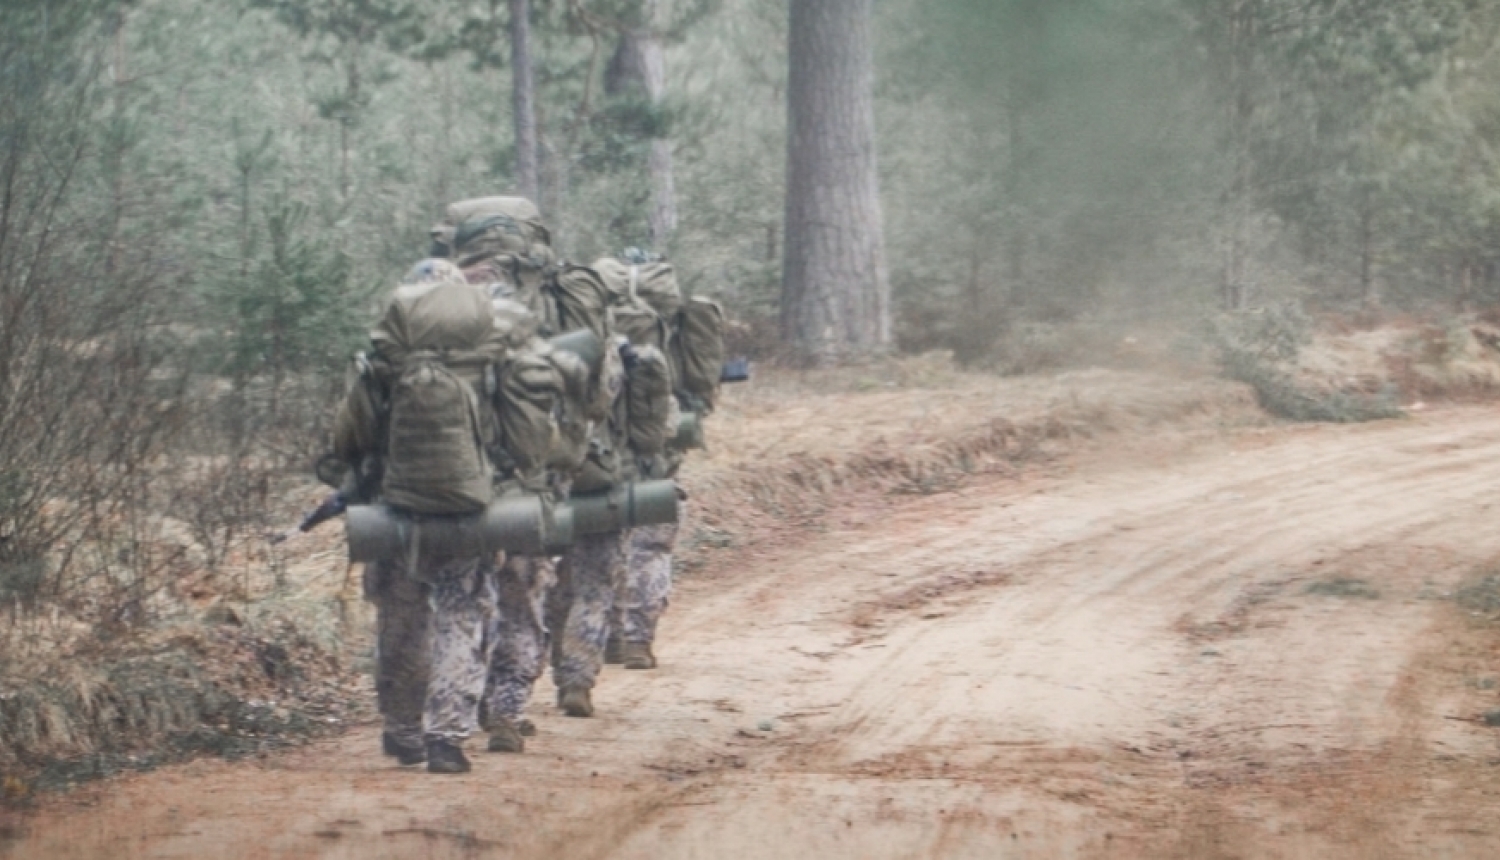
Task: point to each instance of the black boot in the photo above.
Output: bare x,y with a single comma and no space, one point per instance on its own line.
406,755
445,757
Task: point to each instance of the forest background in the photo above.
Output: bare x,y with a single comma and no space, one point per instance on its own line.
202,202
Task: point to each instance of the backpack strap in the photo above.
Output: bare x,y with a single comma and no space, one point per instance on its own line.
377,391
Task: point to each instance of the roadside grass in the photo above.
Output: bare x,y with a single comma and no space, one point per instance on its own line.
789,449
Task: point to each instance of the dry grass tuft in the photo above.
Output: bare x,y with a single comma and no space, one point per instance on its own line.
789,447
233,680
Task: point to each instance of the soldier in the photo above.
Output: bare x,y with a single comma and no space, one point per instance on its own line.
518,639
518,636
650,309
504,247
592,571
646,584
432,608
644,594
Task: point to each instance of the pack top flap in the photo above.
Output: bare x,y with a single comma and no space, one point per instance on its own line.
654,282
447,315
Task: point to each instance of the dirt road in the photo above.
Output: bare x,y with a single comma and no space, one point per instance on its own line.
1243,648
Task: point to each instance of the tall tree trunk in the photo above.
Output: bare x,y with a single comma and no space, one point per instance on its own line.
640,63
115,156
1015,238
1368,291
442,77
1235,215
835,291
523,100
352,86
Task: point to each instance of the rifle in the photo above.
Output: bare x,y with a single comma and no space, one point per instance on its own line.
331,507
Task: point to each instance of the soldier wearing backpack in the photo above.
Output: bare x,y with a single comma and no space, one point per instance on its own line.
647,304
559,384
502,246
626,415
420,433
592,571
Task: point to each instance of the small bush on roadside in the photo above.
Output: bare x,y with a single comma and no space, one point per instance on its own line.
1260,348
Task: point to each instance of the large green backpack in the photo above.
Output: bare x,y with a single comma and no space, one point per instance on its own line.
575,297
435,353
651,410
647,306
567,299
600,462
643,297
653,281
508,229
697,351
530,392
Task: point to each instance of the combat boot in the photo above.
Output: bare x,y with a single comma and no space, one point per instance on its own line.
505,736
614,651
637,655
445,757
406,755
575,701
525,727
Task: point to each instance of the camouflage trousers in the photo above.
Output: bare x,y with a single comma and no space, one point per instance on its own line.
431,655
580,607
647,586
517,634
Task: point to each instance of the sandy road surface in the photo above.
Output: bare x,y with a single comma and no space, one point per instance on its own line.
1241,650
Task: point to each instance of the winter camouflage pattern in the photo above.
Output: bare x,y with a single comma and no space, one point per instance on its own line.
581,605
430,646
401,656
462,596
647,586
517,635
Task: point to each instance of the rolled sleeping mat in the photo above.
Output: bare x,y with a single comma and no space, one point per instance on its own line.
689,432
640,503
519,524
562,534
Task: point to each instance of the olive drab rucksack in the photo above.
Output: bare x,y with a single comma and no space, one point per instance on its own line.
600,462
650,409
548,398
697,352
530,394
638,275
576,297
643,297
432,373
649,308
505,231
502,244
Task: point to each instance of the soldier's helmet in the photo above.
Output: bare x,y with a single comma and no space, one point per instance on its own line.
433,271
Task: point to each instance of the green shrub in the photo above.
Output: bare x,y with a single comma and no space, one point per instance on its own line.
1260,348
